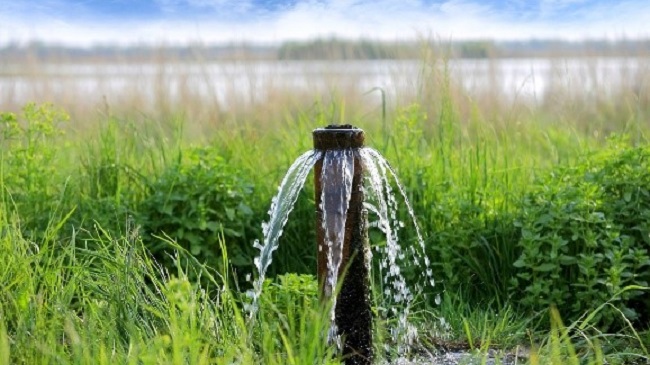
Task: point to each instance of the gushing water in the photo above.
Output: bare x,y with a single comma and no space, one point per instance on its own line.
281,205
335,198
394,255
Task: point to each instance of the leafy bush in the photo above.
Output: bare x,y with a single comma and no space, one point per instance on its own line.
194,202
576,236
27,163
472,248
585,236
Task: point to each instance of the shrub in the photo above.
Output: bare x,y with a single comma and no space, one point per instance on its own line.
584,236
473,248
27,164
194,202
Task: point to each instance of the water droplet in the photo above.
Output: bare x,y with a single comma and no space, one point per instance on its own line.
257,245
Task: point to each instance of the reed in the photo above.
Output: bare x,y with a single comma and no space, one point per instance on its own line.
594,95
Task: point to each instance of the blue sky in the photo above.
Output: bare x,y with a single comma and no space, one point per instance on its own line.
89,22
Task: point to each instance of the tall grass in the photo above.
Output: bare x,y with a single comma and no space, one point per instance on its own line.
595,95
105,301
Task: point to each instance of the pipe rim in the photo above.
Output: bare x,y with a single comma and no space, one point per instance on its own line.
335,137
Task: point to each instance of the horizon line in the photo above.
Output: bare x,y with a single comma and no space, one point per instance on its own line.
334,38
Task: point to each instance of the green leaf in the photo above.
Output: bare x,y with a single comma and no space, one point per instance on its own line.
213,226
230,213
549,266
627,196
231,232
195,249
567,260
544,219
520,263
245,209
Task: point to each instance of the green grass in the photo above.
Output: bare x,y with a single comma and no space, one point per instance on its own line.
106,301
129,240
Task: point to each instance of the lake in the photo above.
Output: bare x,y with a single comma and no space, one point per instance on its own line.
528,80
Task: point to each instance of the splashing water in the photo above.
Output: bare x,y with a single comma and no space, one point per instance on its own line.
335,198
394,255
281,205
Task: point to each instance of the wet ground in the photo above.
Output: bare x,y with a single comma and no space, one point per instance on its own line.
467,357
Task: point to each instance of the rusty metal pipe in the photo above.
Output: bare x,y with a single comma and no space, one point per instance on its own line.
352,314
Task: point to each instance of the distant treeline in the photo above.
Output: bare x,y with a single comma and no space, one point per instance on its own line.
338,49
136,53
365,49
328,49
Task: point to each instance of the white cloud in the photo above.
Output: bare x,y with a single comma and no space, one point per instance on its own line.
381,19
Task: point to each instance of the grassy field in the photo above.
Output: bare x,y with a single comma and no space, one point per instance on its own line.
127,235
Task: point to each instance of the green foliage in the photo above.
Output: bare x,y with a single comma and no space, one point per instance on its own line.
290,292
581,343
475,49
473,249
289,306
196,201
338,49
28,157
113,304
584,237
113,175
493,205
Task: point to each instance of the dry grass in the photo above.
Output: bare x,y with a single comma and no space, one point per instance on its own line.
595,95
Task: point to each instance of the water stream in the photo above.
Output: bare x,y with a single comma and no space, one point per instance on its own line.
381,201
281,205
335,200
395,255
